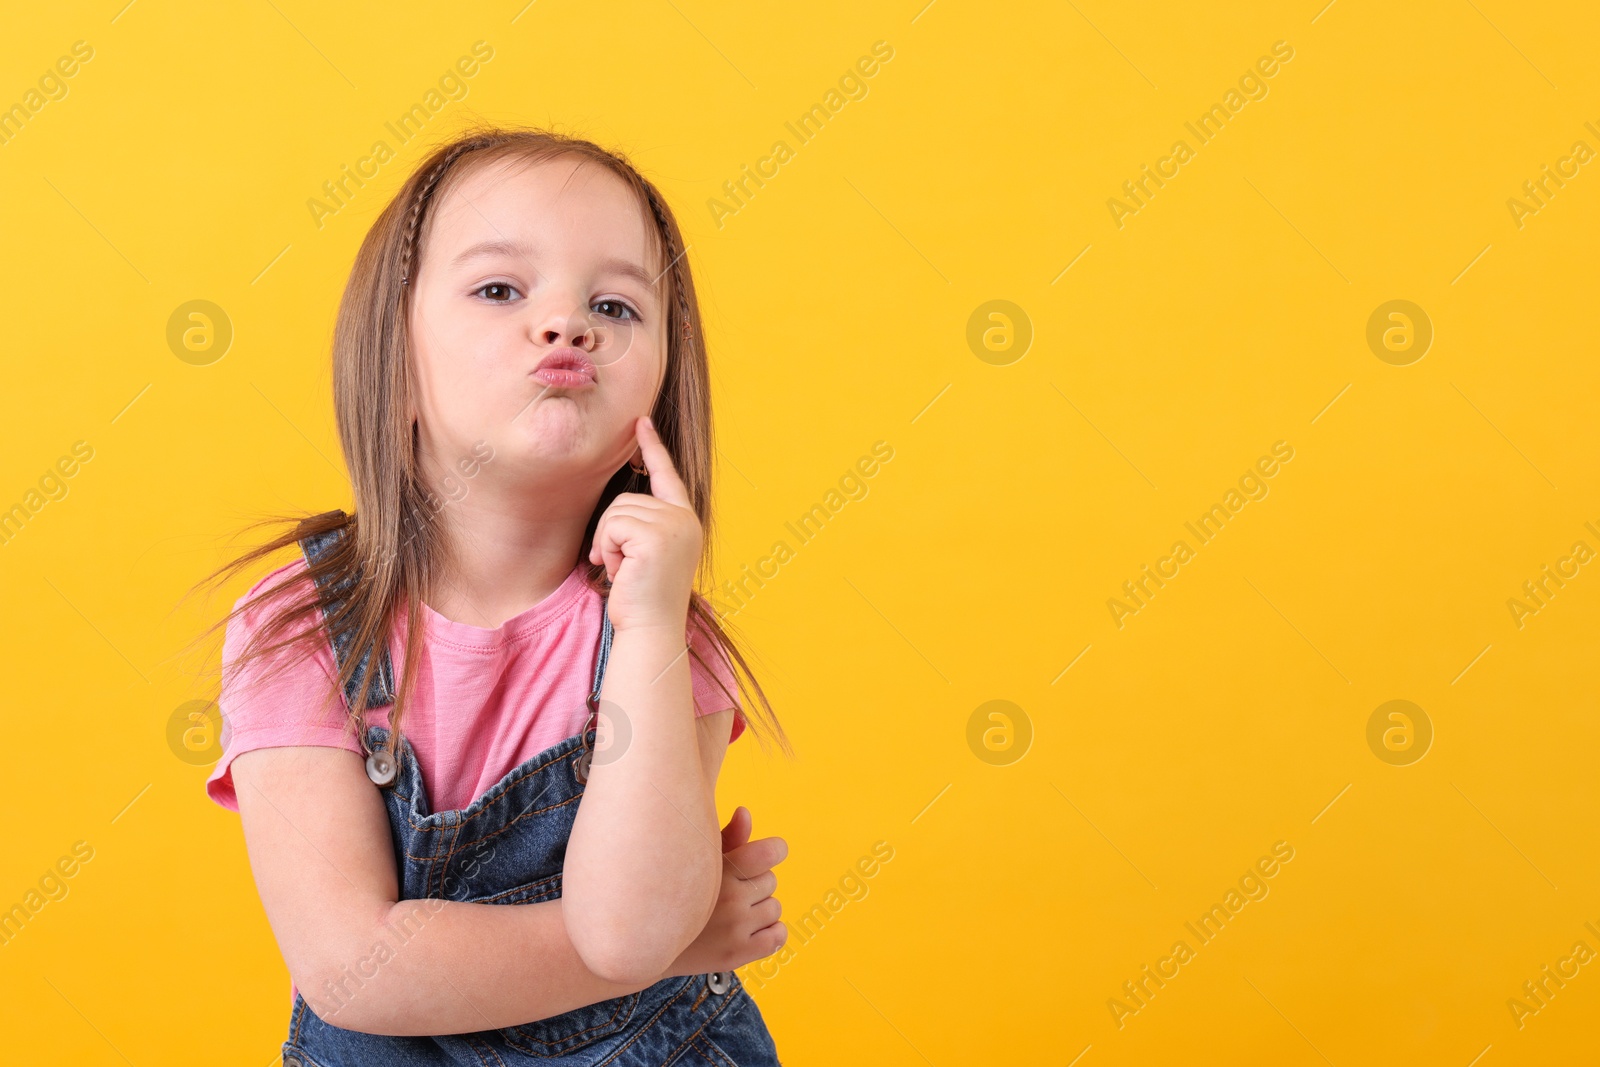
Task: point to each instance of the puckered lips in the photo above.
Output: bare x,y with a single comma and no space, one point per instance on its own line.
565,368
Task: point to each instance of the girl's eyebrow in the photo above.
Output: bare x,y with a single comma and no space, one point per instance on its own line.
630,270
499,247
522,250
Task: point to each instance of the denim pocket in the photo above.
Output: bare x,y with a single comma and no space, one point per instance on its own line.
573,1029
737,1037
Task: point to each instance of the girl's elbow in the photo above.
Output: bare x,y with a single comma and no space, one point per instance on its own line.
627,962
613,951
635,953
637,949
338,998
346,984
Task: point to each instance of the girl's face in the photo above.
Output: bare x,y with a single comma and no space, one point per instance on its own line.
525,263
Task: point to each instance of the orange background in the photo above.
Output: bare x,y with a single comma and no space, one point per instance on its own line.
1040,852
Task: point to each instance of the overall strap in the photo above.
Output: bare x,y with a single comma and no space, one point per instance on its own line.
605,651
581,762
380,687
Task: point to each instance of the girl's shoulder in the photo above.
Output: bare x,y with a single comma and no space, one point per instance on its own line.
284,697
287,572
302,663
276,591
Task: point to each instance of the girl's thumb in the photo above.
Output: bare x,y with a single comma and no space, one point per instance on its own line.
737,832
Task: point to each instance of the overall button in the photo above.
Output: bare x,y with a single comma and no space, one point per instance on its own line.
720,981
380,768
580,766
292,1060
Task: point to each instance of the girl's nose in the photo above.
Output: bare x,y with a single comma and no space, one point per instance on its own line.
577,332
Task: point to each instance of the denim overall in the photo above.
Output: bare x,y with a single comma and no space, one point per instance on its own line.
507,847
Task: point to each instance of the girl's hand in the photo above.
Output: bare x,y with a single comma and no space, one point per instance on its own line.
744,926
650,544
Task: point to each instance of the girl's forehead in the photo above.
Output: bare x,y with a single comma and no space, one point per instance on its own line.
561,195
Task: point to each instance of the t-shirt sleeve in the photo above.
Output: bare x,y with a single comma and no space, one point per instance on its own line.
709,697
291,707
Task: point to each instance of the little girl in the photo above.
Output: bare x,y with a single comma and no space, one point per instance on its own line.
524,407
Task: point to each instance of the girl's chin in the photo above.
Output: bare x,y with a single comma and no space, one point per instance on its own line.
554,412
551,446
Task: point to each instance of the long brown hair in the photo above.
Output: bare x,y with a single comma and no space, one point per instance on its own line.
392,550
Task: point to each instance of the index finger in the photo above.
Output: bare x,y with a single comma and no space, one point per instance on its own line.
664,481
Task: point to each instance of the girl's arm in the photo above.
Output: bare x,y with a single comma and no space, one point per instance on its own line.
644,860
643,865
320,849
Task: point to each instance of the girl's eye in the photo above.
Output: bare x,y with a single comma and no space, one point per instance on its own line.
496,285
631,313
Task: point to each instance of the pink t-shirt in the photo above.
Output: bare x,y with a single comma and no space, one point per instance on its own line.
485,700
